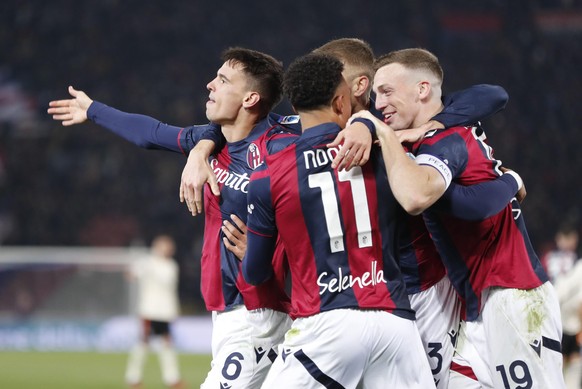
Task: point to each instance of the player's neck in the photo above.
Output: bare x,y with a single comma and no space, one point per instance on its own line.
316,117
427,113
240,127
362,104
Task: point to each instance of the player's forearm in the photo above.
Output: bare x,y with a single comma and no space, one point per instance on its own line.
415,187
470,105
204,149
257,264
480,201
141,130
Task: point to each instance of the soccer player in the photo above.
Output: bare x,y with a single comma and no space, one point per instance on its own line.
431,294
157,307
248,322
354,323
511,310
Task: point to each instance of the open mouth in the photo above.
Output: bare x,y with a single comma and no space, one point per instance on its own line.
387,117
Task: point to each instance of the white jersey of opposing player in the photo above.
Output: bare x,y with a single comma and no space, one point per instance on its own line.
158,288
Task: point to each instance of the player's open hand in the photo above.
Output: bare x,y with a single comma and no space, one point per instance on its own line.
235,236
71,111
355,151
195,175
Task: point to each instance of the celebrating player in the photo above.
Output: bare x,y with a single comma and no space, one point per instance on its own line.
431,294
491,263
248,322
355,325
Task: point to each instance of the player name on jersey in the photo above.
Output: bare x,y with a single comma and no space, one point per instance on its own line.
320,157
345,281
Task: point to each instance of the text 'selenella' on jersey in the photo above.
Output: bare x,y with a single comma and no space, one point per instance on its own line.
340,282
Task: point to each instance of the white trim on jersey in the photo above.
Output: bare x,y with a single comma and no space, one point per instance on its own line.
517,178
438,164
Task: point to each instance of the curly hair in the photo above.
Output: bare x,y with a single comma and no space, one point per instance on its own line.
311,81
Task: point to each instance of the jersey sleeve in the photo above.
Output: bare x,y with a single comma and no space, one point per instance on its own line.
479,201
261,229
190,137
145,131
448,155
468,106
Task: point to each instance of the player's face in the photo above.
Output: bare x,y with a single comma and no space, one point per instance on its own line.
397,96
227,92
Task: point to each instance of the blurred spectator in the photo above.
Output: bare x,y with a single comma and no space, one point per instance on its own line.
569,290
560,261
157,307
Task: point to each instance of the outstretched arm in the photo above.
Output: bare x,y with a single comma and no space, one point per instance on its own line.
141,130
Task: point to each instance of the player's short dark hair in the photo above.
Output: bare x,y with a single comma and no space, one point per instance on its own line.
351,51
312,80
415,58
265,74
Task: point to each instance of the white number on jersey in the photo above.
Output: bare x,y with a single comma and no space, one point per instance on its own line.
324,182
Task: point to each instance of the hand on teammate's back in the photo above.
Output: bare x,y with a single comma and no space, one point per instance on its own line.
522,192
355,151
71,111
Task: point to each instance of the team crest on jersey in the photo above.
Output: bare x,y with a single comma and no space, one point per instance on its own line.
292,119
254,159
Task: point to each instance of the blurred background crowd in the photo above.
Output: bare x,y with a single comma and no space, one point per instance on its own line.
82,185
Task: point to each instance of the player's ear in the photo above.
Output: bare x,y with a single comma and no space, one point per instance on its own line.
360,86
338,104
424,89
251,99
342,107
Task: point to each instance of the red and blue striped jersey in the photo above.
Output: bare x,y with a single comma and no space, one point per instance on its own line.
420,261
478,254
339,228
222,284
